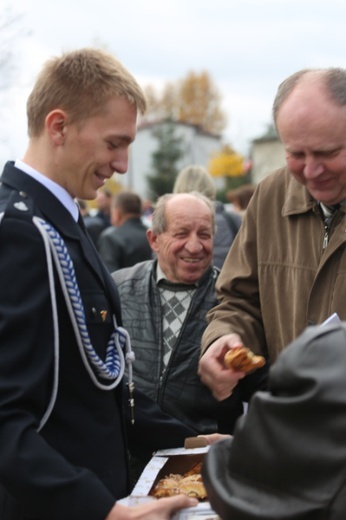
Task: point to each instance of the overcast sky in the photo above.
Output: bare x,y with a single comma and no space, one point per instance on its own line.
247,46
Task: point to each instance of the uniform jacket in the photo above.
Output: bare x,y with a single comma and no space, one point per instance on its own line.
178,389
287,460
76,465
125,245
278,278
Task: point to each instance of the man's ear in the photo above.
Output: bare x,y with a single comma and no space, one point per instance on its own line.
152,239
56,122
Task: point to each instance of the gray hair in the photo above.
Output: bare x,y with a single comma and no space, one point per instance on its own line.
159,222
334,79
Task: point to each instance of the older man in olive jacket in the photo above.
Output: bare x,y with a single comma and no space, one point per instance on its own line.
287,267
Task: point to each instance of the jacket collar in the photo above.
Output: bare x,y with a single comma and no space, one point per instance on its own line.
50,207
54,212
158,274
297,198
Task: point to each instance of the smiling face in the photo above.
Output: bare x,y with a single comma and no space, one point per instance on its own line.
91,151
185,249
312,129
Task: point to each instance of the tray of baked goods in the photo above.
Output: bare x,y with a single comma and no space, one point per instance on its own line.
180,474
175,471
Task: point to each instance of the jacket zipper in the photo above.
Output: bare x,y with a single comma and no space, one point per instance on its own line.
325,237
327,226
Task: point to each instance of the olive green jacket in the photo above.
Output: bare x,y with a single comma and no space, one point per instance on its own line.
278,278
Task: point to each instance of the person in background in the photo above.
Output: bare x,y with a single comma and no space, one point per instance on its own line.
104,203
94,225
240,197
287,266
197,178
64,407
147,212
125,242
164,304
288,454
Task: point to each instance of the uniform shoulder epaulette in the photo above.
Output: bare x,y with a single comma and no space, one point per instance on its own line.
18,205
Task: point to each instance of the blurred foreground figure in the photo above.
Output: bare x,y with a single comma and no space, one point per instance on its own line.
288,456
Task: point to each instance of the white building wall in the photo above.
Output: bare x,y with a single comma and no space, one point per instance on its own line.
267,156
198,148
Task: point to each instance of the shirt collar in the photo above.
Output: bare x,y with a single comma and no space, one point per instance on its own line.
328,211
58,191
160,275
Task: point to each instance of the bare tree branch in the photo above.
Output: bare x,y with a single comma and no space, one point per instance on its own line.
10,32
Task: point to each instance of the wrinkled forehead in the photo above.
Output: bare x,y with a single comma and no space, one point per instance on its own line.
184,210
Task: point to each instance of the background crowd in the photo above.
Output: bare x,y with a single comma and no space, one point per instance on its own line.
128,312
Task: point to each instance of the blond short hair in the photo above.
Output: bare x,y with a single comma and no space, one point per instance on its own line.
80,82
195,178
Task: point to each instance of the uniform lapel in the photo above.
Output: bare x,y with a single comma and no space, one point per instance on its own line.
108,281
47,206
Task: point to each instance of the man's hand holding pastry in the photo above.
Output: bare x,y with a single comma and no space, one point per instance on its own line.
214,373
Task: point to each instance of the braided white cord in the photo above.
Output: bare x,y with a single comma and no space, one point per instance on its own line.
56,332
56,336
120,335
114,366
